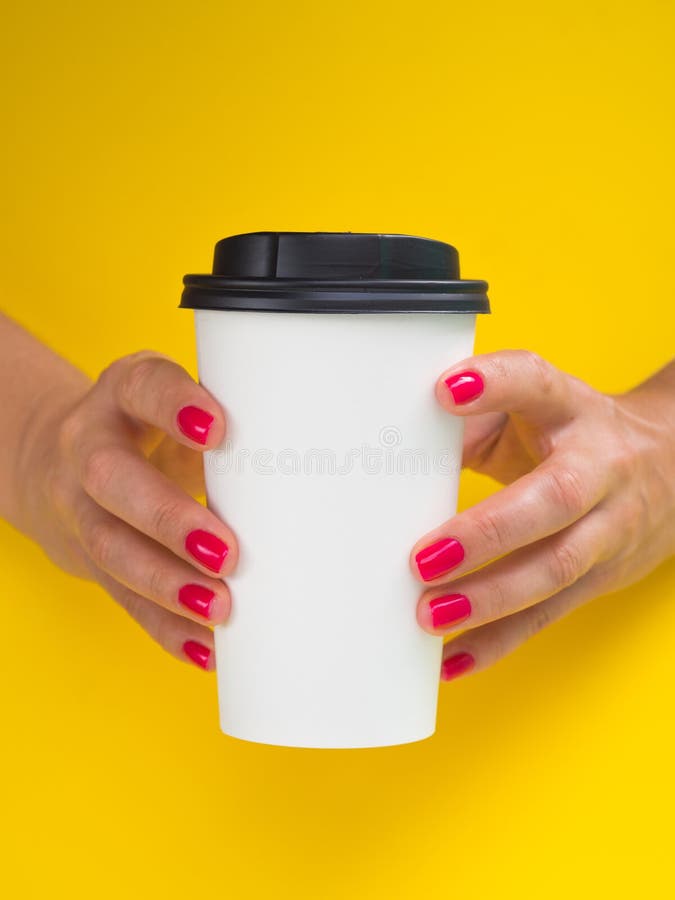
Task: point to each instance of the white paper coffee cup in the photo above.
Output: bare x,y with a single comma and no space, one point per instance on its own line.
324,350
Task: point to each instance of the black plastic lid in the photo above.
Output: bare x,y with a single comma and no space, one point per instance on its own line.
336,272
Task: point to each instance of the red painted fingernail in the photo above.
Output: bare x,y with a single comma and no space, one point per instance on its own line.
198,653
438,558
197,598
449,609
195,423
207,549
465,386
457,665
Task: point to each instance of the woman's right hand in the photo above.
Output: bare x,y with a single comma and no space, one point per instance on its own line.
107,487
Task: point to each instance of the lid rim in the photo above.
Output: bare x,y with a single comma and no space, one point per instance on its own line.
334,272
335,301
281,285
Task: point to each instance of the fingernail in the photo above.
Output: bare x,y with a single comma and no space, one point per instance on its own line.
198,653
438,558
195,423
457,665
465,386
207,549
449,609
197,598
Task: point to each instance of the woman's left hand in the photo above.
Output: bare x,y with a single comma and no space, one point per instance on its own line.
589,507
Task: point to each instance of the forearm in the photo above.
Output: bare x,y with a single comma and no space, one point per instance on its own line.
659,389
35,383
653,402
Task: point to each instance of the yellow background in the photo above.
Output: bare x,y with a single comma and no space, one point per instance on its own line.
538,138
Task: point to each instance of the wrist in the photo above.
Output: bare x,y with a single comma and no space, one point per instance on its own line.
650,412
656,395
38,449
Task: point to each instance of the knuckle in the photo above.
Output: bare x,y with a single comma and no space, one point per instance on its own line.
623,461
500,601
542,371
539,617
493,528
165,519
138,370
97,470
565,565
98,542
70,432
157,584
568,490
500,368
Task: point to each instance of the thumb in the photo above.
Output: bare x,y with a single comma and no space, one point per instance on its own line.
481,432
517,382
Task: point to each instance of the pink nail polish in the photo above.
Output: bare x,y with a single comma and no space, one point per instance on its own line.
198,653
449,609
465,386
207,549
195,423
456,665
438,558
197,598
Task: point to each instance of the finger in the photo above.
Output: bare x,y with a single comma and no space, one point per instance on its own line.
125,484
520,580
481,647
180,637
155,390
144,567
480,435
514,381
554,495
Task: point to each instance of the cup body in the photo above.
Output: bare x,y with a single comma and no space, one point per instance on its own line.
337,459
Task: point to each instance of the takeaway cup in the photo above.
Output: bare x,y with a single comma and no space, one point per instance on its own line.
323,348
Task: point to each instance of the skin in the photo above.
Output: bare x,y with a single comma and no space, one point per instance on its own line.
588,507
102,477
